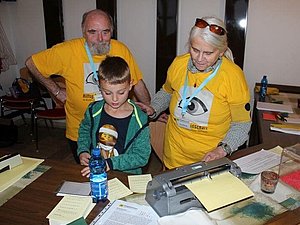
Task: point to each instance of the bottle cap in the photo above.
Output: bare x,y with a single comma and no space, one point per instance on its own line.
96,152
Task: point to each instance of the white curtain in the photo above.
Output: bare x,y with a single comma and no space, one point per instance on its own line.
6,54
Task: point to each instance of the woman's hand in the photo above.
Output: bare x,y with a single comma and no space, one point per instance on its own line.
146,108
217,153
163,117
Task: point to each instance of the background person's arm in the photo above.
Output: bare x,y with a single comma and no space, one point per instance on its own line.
141,92
52,87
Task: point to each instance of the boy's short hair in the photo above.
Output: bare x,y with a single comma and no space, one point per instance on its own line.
114,70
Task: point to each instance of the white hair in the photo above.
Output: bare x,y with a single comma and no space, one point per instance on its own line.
217,41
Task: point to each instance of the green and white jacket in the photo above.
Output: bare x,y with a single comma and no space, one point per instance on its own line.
137,144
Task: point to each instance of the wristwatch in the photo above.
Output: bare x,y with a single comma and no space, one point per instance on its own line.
226,148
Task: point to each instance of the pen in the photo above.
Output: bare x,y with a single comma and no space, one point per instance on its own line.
280,117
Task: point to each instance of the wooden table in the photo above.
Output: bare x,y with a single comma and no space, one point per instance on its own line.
32,205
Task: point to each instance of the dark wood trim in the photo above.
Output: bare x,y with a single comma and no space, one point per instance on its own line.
235,11
284,88
109,6
166,38
53,15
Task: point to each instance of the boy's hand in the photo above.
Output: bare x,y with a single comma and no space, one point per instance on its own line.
84,158
85,172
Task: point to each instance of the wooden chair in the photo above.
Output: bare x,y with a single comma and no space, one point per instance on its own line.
157,135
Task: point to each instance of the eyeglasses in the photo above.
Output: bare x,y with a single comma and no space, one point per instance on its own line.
212,27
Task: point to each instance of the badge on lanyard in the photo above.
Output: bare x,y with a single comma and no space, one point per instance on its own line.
91,60
185,101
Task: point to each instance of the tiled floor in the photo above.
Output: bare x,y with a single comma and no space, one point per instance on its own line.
53,145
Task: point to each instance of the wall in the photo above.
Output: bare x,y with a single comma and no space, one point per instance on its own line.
271,48
189,10
73,11
273,42
23,22
137,29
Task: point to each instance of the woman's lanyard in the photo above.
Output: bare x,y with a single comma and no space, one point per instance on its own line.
185,101
91,60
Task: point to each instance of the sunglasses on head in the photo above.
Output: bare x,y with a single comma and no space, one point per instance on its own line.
212,27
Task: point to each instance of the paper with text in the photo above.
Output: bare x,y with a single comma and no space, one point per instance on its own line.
122,212
117,190
70,208
259,161
221,190
138,183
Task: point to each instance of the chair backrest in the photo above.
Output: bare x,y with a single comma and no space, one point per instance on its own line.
25,74
157,133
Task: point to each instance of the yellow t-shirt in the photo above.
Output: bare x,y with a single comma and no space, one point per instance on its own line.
223,100
69,59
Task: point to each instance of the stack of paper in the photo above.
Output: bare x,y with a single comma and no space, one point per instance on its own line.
9,177
70,208
274,107
286,128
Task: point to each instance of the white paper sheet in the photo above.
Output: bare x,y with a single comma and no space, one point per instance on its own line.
121,212
259,161
274,107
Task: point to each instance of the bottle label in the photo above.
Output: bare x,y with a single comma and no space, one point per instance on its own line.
99,188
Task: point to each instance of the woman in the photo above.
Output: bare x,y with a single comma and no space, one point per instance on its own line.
208,99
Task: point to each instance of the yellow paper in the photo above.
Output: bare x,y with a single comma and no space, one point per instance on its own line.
221,190
117,190
9,177
71,208
138,183
277,150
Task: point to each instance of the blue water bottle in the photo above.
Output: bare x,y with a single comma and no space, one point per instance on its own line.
98,177
263,88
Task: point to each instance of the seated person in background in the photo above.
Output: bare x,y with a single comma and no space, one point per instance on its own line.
208,99
115,124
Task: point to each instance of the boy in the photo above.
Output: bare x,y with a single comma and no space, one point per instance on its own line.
115,124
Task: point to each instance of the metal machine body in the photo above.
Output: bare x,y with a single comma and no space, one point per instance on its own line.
167,193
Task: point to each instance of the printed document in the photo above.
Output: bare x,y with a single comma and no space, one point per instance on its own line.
138,183
70,208
122,212
117,190
259,161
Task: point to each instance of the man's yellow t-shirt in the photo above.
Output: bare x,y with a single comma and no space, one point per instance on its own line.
70,60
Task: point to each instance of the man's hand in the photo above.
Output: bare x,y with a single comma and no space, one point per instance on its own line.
217,153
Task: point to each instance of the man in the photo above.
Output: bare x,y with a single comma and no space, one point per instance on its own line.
76,60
